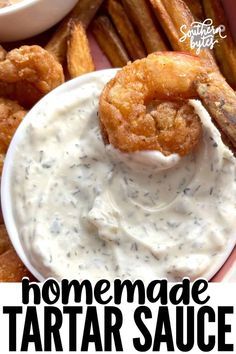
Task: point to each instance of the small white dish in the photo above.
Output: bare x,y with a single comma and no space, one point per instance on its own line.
31,17
6,185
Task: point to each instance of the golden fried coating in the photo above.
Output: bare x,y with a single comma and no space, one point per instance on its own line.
11,267
28,73
79,58
84,11
177,125
132,120
11,114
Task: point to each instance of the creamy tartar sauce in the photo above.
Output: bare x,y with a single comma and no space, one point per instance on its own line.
86,210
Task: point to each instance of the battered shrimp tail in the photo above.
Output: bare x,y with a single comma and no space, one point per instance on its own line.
132,112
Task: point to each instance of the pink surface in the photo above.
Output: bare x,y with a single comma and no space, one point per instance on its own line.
231,262
101,62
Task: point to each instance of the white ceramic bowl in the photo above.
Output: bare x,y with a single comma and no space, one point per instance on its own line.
30,17
7,207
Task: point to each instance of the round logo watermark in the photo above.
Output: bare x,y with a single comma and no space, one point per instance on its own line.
202,34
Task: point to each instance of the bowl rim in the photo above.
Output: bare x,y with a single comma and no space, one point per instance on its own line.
17,7
6,200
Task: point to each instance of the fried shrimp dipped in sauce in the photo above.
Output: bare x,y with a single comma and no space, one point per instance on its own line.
28,73
11,115
132,116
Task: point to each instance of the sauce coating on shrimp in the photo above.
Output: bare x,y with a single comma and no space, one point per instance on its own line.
132,116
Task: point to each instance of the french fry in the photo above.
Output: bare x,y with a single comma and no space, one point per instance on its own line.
58,43
195,7
219,99
125,29
109,41
79,59
2,53
83,12
172,14
225,49
140,15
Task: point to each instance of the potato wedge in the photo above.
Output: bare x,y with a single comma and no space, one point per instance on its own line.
58,43
140,15
172,14
125,29
79,59
225,49
109,41
220,100
83,12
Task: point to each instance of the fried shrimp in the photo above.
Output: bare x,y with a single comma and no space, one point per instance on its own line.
133,118
11,114
28,73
